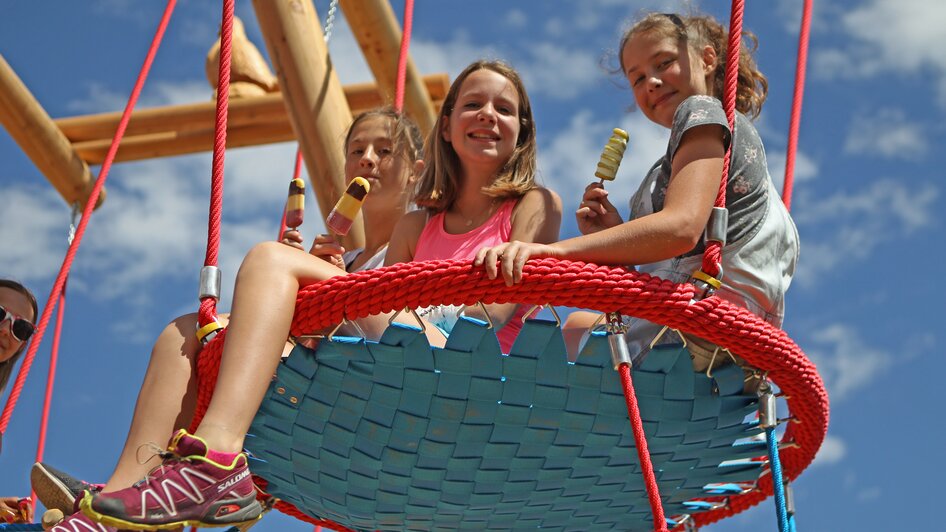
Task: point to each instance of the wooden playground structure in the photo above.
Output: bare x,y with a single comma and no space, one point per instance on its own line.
311,106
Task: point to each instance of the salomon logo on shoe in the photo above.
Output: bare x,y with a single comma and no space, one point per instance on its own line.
226,485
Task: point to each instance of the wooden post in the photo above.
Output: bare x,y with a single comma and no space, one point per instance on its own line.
379,35
42,141
317,107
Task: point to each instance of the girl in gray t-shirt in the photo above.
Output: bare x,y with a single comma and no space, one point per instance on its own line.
675,66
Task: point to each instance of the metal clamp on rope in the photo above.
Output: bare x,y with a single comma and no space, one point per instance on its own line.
768,418
616,329
206,333
789,499
717,226
210,280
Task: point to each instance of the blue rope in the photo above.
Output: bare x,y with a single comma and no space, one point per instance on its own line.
777,485
22,526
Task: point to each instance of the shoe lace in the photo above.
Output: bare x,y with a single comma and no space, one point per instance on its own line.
156,450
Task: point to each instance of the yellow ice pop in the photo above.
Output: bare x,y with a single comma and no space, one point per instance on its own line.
345,211
611,155
295,204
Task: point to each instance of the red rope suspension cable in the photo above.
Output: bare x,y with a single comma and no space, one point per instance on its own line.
797,97
643,454
402,56
59,285
208,304
712,256
50,380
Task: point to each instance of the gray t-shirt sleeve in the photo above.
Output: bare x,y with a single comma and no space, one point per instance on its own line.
746,191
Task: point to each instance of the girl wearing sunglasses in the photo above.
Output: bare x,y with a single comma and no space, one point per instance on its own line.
17,313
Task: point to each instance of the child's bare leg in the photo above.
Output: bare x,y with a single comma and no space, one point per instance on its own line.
576,326
166,401
263,305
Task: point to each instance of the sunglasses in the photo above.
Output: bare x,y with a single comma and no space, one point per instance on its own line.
22,329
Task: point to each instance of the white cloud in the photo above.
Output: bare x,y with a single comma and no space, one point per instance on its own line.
153,225
832,451
887,37
845,361
806,169
567,162
886,133
516,19
33,244
560,71
101,99
450,57
860,222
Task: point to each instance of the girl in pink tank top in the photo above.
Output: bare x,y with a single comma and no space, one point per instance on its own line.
478,188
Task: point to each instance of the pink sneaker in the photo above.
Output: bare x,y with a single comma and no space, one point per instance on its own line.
187,489
80,523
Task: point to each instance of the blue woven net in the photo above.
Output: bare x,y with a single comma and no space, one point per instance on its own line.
395,435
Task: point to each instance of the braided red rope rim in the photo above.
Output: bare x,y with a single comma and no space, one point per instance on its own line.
579,285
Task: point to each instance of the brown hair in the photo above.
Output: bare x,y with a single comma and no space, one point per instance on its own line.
406,135
702,30
6,367
438,186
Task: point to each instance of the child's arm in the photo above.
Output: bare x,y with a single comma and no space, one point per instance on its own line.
404,238
696,170
536,218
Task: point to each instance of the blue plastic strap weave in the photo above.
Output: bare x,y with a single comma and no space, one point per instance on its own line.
396,435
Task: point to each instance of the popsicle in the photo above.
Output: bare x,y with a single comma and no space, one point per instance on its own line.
343,215
611,155
295,205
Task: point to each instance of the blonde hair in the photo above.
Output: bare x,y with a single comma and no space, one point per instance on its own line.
698,31
438,187
405,134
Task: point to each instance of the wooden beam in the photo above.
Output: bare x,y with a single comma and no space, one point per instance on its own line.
183,129
38,136
171,143
379,34
318,110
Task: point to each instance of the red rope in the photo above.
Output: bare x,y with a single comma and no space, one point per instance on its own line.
643,454
577,284
712,255
796,104
208,305
50,381
402,56
60,283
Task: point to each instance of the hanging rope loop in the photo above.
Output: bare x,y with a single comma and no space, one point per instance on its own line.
208,304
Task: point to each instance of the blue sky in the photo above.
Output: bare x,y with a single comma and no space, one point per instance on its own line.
868,201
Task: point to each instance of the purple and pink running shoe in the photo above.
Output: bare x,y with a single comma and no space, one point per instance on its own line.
188,489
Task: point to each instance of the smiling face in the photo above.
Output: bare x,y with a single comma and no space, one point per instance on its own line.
483,126
373,154
664,71
17,303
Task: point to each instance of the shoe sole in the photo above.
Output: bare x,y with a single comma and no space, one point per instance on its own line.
51,491
85,506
